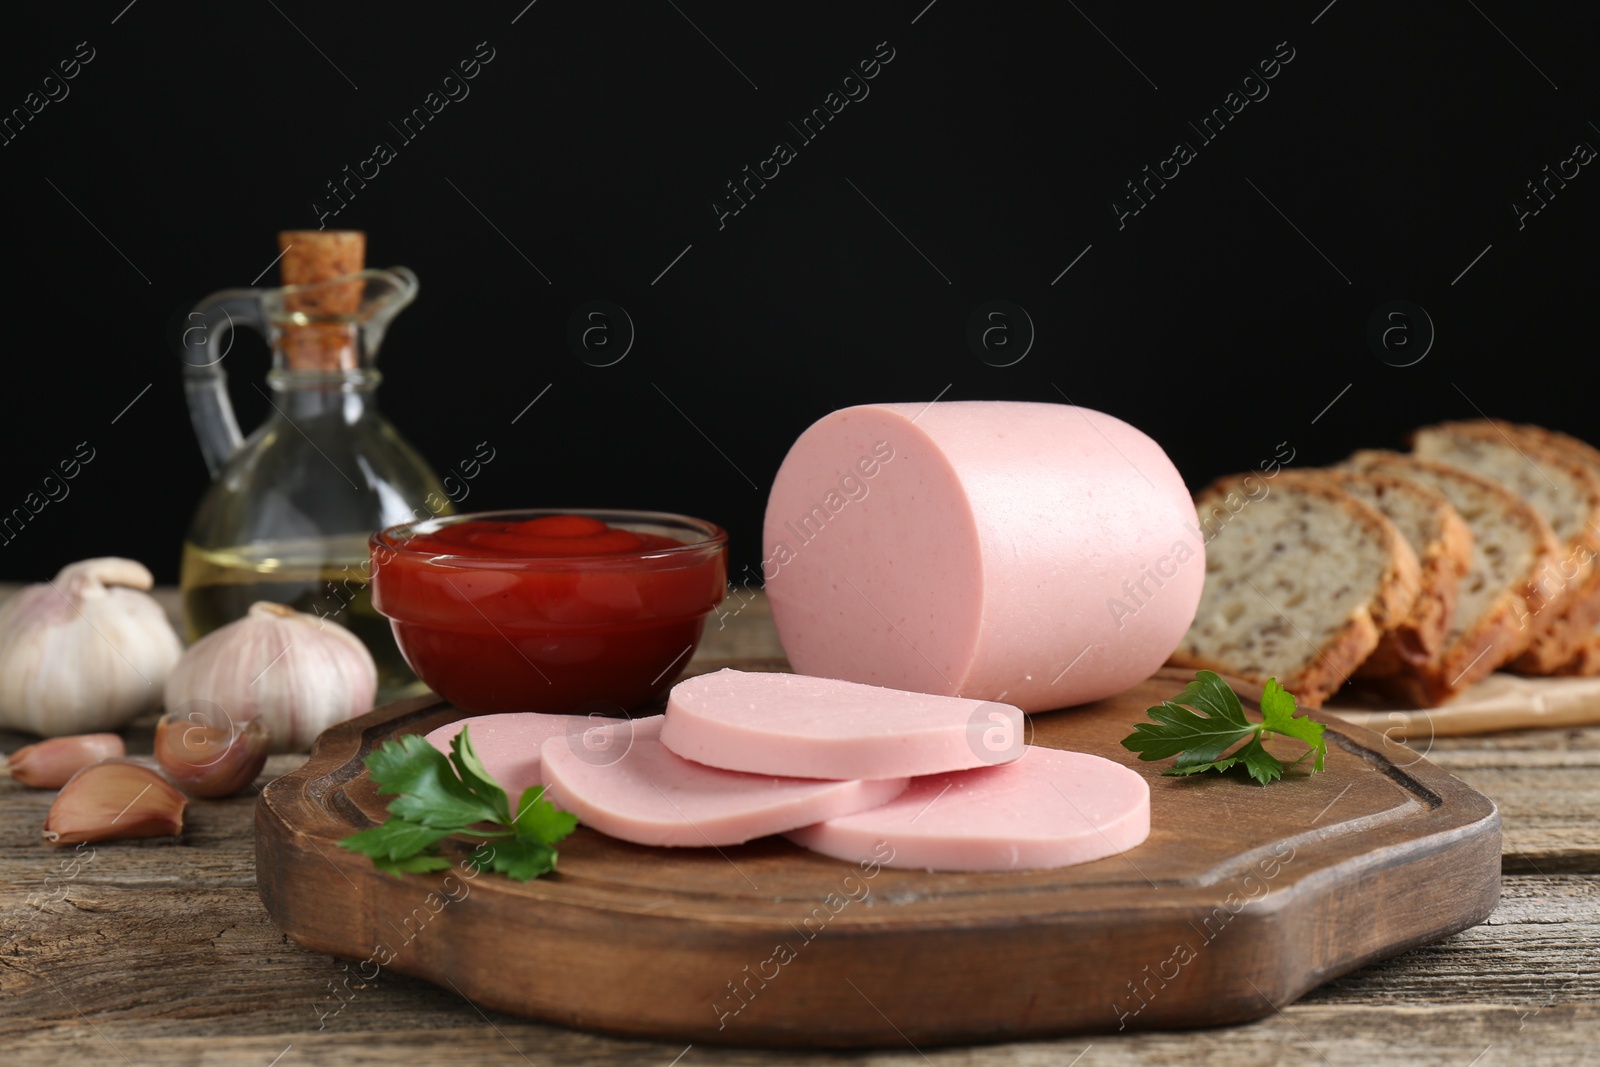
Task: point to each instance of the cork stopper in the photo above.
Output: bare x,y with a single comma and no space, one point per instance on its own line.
309,257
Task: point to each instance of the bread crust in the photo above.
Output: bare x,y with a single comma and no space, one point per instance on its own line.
1390,605
1587,660
1419,639
1564,616
1498,636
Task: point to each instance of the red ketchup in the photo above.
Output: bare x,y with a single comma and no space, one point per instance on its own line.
560,613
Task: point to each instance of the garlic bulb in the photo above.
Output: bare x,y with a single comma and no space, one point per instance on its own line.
299,674
85,652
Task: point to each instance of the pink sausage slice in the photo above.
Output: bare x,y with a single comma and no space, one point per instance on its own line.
651,797
1039,554
1048,809
509,743
807,727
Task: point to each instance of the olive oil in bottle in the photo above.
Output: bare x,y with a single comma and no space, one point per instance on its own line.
291,506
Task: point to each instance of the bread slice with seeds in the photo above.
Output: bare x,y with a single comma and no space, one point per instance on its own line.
1511,546
1302,579
1443,546
1567,493
1586,660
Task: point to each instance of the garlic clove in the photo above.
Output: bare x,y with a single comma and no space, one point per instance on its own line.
88,651
113,800
295,672
48,764
210,760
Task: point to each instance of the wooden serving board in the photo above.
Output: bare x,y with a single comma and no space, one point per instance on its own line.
1241,900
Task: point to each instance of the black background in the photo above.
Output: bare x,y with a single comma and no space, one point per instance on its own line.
596,139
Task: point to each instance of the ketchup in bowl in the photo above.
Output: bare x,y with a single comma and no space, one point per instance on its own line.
549,611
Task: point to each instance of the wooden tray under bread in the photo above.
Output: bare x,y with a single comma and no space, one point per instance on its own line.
1241,900
1499,702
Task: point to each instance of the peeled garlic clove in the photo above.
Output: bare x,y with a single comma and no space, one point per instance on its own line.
297,673
87,651
208,760
112,800
48,764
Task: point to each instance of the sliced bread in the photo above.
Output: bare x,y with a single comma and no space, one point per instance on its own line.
1567,494
1302,579
1511,546
1587,658
1443,546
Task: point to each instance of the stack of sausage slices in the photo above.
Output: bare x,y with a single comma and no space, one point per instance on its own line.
1415,574
878,776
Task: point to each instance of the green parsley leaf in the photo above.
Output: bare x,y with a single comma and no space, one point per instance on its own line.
430,792
477,777
1196,739
1277,717
402,764
1263,766
1199,737
522,859
394,839
541,820
421,863
439,796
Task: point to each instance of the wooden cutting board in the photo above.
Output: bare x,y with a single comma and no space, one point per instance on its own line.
1241,900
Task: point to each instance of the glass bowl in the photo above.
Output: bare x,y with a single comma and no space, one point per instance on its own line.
502,631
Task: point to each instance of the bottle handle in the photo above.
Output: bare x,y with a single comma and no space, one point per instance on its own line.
206,340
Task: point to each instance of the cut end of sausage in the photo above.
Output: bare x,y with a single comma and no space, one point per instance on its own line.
1039,554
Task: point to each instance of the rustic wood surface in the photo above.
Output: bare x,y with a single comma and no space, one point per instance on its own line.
160,953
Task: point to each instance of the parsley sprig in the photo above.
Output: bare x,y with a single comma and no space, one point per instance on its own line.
1199,737
439,797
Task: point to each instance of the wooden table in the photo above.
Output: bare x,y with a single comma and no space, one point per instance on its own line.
159,952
